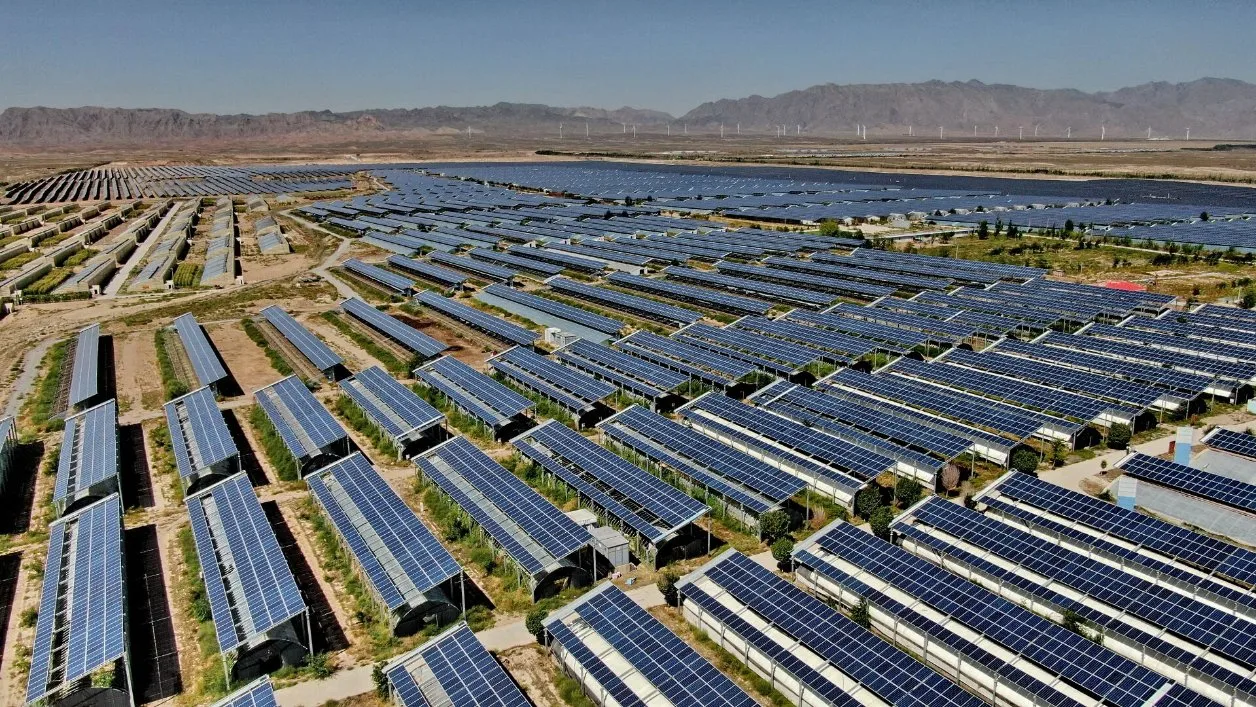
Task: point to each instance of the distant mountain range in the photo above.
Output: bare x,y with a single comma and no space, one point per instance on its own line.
1211,108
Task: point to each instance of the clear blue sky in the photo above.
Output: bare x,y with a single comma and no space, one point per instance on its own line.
283,55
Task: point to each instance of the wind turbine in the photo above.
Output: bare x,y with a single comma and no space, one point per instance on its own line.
560,131
1103,132
1020,135
1069,133
941,132
1188,133
1148,132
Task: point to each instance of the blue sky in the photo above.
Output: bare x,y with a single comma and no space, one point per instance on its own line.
282,55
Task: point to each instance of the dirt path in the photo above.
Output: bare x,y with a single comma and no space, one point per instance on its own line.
139,388
246,360
26,381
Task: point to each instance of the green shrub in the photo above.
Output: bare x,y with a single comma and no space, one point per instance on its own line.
188,275
277,361
879,522
273,446
1025,460
1119,436
908,491
667,586
535,623
774,524
46,394
782,549
868,500
172,385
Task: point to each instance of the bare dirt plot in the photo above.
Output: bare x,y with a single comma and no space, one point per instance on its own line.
246,361
461,346
355,358
535,672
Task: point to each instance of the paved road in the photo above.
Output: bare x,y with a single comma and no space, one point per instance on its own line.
26,380
324,268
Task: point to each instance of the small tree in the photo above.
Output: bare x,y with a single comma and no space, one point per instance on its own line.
950,478
773,524
1248,299
860,614
1025,460
868,500
908,491
534,622
983,230
1058,453
879,521
782,549
1119,436
1068,226
380,679
667,587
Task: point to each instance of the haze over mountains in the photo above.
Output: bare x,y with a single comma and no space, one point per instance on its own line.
1211,108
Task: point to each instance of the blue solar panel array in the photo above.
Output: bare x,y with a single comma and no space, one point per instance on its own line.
1081,662
672,668
250,587
1240,443
620,301
303,423
473,392
694,295
85,375
536,535
481,321
89,452
409,337
428,271
259,693
475,267
393,407
767,290
630,373
310,346
390,280
81,625
566,386
199,437
400,557
890,674
811,281
637,498
1213,487
454,669
690,360
558,309
209,370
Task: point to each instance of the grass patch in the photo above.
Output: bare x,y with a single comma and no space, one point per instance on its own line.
234,303
41,404
210,679
277,361
162,459
49,282
276,451
188,274
358,420
739,671
464,423
78,257
17,261
391,361
172,385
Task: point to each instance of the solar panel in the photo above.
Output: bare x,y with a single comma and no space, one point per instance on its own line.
1220,489
672,669
85,376
1145,354
250,587
639,306
428,271
563,260
890,674
81,625
1240,443
476,268
1094,385
199,437
762,350
89,452
389,279
645,249
310,346
628,372
452,668
836,453
568,387
839,348
1045,350
901,339
258,693
910,282
690,360
1003,419
844,287
301,420
390,405
205,363
1021,394
576,315
475,393
685,449
1098,580
400,557
529,528
686,293
481,321
600,254
637,498
409,337
1172,341
780,293
514,262
1083,663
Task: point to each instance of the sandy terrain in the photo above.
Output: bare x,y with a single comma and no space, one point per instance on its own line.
245,360
139,383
